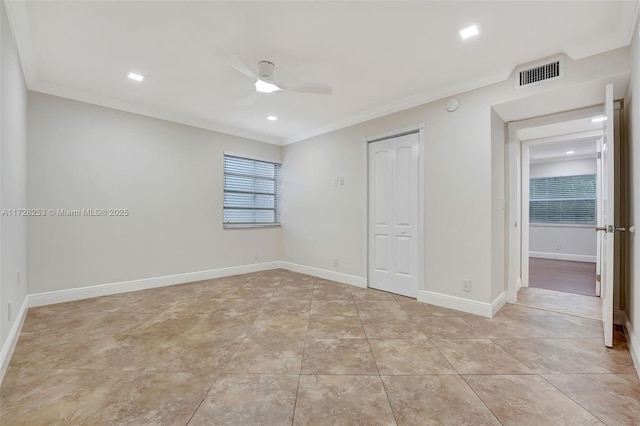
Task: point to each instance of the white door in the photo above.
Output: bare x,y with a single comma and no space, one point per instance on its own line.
608,214
393,215
599,218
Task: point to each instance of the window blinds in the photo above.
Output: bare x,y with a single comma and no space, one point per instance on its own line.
563,199
250,192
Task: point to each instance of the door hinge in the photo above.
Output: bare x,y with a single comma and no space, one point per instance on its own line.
599,155
598,278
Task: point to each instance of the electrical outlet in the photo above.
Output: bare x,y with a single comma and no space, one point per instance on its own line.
18,278
335,181
558,246
335,262
466,285
9,310
341,180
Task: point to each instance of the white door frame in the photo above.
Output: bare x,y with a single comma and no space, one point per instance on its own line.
419,129
515,190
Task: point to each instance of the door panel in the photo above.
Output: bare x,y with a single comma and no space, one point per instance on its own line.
403,256
381,194
402,187
381,249
393,215
608,217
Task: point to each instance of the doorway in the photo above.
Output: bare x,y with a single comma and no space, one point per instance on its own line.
560,182
560,192
562,199
395,212
608,246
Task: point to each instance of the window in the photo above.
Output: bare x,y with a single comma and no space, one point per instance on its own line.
563,199
250,193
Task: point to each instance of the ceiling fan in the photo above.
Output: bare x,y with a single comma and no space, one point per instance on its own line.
264,82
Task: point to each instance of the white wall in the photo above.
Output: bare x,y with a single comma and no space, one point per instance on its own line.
462,181
13,179
632,121
577,242
168,176
499,138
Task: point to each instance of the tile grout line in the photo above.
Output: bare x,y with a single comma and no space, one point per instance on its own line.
304,347
570,397
393,413
221,373
478,396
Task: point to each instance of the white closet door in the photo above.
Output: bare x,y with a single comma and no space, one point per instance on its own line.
393,215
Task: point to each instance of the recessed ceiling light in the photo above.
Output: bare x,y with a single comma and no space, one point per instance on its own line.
136,77
598,119
272,118
266,87
471,31
570,152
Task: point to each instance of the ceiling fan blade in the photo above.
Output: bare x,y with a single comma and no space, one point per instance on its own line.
318,89
236,63
250,99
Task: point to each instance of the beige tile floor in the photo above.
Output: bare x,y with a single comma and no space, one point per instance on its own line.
278,348
562,302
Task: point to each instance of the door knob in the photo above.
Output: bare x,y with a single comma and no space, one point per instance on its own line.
611,229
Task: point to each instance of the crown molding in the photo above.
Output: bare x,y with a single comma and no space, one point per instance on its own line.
159,113
400,105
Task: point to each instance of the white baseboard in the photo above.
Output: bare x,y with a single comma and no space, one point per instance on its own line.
633,342
69,295
461,304
325,274
12,339
512,295
498,303
72,294
563,256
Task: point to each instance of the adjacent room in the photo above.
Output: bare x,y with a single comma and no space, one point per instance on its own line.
561,200
319,213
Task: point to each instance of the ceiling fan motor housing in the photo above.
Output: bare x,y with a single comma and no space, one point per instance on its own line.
265,70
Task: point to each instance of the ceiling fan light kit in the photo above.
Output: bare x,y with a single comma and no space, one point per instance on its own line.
266,87
264,82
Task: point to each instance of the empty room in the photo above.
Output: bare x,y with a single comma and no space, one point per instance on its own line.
319,212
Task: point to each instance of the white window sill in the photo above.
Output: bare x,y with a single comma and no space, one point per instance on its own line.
562,225
250,225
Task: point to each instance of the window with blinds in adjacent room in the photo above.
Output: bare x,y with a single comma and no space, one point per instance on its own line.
563,199
250,193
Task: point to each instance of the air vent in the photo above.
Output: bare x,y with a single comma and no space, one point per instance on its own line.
539,73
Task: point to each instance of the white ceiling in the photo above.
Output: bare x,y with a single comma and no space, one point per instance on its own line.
379,56
555,151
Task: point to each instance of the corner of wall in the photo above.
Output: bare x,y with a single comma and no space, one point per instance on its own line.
633,343
13,192
6,350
